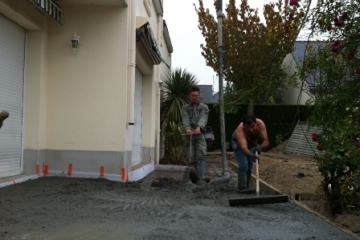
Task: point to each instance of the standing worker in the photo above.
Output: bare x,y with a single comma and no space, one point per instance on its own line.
249,137
194,117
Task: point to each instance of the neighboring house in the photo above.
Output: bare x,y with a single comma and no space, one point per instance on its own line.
90,111
207,94
302,93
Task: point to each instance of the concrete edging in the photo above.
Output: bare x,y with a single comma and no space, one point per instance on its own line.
272,190
170,168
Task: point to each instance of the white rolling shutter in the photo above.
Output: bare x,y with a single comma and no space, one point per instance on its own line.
12,59
137,129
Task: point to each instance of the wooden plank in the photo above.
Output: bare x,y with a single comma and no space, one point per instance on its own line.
258,200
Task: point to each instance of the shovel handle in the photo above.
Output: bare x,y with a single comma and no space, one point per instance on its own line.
190,146
190,149
257,175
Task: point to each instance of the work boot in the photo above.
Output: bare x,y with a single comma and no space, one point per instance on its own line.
242,182
248,175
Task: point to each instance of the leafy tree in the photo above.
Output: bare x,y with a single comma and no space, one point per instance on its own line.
175,94
334,68
272,93
253,50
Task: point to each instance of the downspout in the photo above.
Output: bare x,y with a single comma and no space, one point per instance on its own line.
158,131
132,65
158,93
226,176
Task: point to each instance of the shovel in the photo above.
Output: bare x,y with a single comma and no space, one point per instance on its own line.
192,174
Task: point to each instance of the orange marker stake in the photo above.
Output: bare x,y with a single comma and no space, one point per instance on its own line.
46,170
102,171
124,176
70,167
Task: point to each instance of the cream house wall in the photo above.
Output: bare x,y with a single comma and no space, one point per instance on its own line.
145,9
76,104
294,95
85,88
164,70
36,95
23,13
149,111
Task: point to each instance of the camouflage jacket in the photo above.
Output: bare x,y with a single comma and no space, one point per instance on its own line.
194,115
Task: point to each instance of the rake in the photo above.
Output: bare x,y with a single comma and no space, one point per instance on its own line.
258,199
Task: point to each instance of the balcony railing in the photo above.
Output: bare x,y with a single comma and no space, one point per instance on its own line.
49,7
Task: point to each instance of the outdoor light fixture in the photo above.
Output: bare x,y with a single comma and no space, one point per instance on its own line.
75,42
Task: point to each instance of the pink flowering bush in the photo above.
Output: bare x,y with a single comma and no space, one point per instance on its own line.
334,67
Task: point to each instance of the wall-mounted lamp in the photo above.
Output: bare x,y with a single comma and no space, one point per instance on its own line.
75,42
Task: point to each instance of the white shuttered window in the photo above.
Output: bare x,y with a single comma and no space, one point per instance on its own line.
12,59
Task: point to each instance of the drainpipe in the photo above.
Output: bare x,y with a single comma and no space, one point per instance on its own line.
132,65
158,131
226,176
158,86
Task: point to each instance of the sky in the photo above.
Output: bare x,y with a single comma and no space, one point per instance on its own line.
182,22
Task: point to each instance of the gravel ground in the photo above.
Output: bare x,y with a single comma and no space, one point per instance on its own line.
70,208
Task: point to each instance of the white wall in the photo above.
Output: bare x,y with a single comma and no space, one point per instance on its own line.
294,94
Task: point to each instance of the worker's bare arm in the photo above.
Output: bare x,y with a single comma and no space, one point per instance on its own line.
240,136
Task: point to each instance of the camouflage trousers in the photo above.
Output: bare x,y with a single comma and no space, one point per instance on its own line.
196,145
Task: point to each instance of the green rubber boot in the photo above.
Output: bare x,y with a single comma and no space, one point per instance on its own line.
250,190
242,182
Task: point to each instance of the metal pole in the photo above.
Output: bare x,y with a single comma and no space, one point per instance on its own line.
221,88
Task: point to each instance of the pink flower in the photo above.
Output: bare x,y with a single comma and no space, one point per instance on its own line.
335,46
294,3
314,137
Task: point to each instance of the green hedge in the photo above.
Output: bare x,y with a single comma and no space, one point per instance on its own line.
280,120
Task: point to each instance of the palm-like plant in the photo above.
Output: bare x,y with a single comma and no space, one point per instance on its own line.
175,94
176,88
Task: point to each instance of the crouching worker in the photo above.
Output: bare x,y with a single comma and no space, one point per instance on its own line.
249,137
194,118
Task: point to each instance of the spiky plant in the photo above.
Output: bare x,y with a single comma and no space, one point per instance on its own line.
175,94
